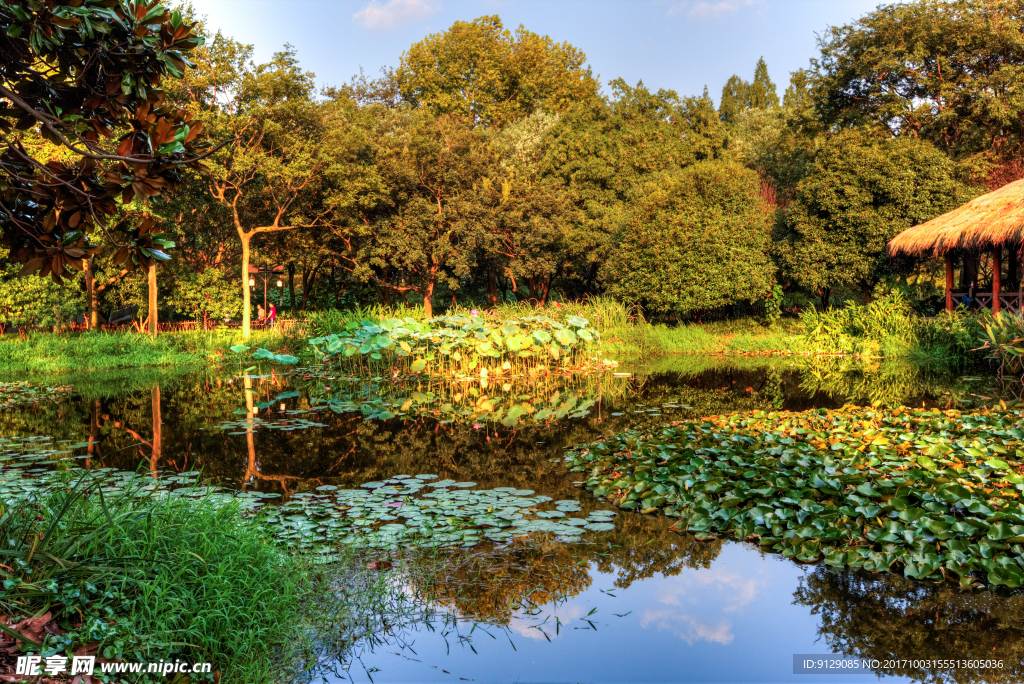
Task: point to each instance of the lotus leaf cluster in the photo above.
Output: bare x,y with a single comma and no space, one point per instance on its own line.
458,344
397,512
932,494
21,393
403,510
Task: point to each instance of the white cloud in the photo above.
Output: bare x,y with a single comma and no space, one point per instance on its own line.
687,628
709,9
737,590
395,13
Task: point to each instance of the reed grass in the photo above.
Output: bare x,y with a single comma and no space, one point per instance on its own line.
151,577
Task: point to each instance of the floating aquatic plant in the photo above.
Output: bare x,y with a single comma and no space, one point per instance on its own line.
23,393
422,510
930,493
400,511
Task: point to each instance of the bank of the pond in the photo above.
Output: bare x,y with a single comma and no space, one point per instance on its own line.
886,327
61,353
933,494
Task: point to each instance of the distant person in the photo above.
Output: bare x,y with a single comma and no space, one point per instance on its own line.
260,313
272,315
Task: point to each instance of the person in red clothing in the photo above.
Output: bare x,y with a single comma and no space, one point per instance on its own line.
272,315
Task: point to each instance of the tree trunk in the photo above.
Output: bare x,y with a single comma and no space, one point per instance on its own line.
246,297
152,300
91,318
428,291
545,290
291,286
308,277
157,422
826,297
492,288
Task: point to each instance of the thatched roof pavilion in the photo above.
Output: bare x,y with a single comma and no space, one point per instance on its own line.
991,222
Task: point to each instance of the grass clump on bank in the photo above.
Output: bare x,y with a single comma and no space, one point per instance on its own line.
129,575
933,494
888,327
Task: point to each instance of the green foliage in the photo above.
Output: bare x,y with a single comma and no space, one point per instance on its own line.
458,344
148,576
35,302
93,130
762,93
696,239
939,70
931,493
603,154
738,96
208,294
884,324
887,326
860,192
773,305
489,76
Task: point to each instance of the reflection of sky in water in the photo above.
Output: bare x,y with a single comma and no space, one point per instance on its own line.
734,622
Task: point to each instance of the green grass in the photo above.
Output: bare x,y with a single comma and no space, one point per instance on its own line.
60,353
720,337
180,578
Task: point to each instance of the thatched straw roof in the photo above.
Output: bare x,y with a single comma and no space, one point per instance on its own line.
987,221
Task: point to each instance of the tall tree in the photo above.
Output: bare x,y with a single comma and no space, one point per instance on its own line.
490,76
526,216
85,77
761,92
949,71
861,190
421,234
293,162
735,99
603,152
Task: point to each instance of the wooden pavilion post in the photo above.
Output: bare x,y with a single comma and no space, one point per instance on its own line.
949,281
996,275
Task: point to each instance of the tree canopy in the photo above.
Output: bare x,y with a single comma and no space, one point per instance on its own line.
948,71
696,238
860,191
490,76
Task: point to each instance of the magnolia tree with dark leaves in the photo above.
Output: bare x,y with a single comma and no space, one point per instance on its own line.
86,129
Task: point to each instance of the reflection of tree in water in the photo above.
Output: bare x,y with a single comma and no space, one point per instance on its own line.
491,585
641,547
889,382
888,616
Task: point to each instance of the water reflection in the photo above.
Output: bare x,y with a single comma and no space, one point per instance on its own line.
887,616
639,603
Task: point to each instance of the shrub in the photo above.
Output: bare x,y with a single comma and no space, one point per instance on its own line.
695,239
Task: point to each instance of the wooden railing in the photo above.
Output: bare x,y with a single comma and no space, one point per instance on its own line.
1008,301
284,326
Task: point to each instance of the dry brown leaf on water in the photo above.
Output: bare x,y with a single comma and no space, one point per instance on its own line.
378,565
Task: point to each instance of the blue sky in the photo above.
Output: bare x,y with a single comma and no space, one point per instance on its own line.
678,44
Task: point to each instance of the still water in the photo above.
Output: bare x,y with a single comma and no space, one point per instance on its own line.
639,603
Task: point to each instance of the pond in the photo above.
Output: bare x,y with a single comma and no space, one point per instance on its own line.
622,599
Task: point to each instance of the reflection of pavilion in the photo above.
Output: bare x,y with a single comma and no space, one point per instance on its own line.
975,235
